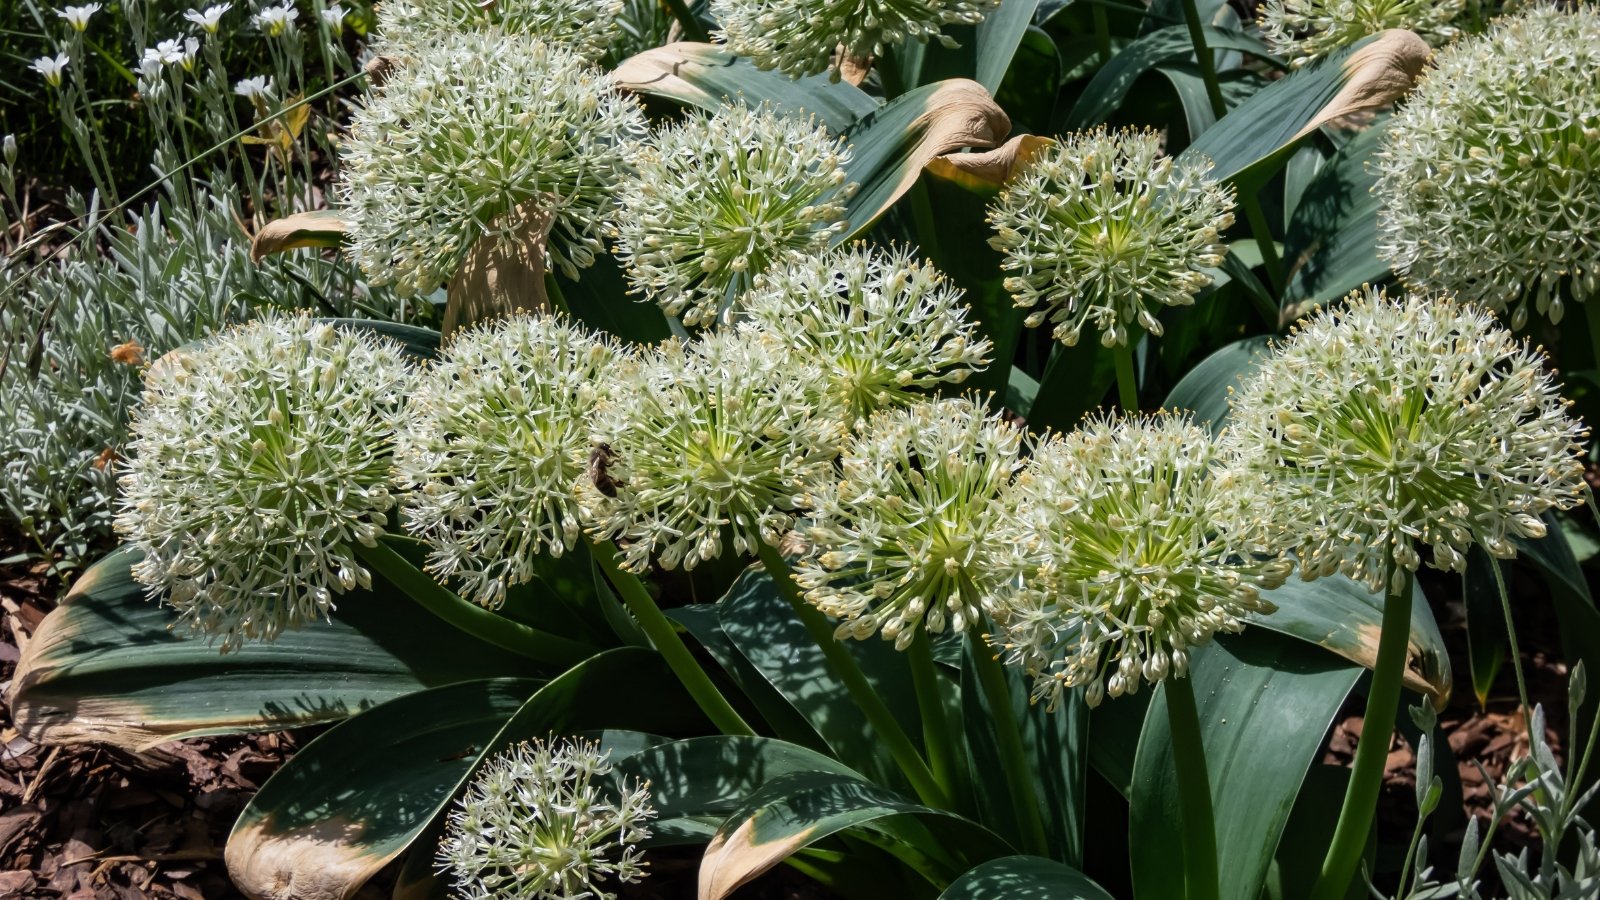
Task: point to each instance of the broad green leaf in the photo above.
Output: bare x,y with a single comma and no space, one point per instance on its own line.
1237,86
1306,836
359,795
316,228
762,625
355,797
104,666
1250,141
1204,391
1486,629
420,344
1075,382
1056,747
600,299
1332,242
702,621
1111,85
983,52
890,148
695,784
1340,615
1265,703
1024,878
794,811
707,76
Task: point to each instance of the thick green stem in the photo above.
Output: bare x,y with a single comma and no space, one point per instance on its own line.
937,733
1206,59
692,29
470,617
1194,792
1127,385
666,640
1263,235
1591,313
1516,652
1008,735
558,300
1366,775
843,667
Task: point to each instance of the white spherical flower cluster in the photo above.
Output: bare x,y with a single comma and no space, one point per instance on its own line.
1303,31
904,538
882,325
717,434
1385,423
716,200
1489,175
496,434
805,37
257,460
1101,228
541,822
586,27
1126,558
474,137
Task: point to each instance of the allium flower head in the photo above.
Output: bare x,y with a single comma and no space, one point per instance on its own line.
1489,175
542,821
1127,560
585,27
717,200
717,434
1101,229
882,325
904,537
256,462
1302,31
473,132
1385,423
496,433
805,37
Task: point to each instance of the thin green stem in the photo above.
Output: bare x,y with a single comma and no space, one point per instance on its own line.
843,667
1008,737
666,640
1127,385
470,617
692,29
552,291
1366,774
1194,792
1206,59
1591,312
1263,235
1516,652
938,736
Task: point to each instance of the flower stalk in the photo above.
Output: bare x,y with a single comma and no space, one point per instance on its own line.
1366,774
666,640
1008,735
938,735
1194,792
469,617
844,668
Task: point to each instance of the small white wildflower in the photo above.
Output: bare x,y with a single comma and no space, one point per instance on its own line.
542,821
1101,229
1384,423
474,128
1302,31
78,16
883,326
274,21
716,200
209,20
703,438
333,17
1126,559
51,69
1489,174
903,537
257,462
258,87
8,149
496,435
585,27
805,37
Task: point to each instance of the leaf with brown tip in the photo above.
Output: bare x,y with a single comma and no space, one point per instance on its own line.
316,228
